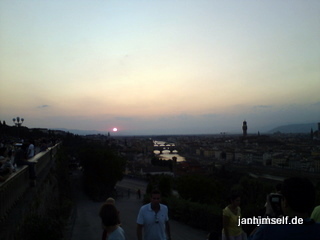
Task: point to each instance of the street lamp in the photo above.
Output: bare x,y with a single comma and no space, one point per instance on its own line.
18,122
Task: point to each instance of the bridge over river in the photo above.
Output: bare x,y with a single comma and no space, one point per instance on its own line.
161,148
166,151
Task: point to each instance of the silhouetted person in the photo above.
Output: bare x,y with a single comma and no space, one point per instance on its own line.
20,160
315,215
110,220
30,150
139,194
298,198
111,201
129,191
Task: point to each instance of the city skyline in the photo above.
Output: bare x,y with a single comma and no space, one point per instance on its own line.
178,67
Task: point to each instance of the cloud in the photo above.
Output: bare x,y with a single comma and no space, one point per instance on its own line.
316,104
210,115
124,118
257,107
43,106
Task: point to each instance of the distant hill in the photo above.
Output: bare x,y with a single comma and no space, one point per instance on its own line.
296,128
81,132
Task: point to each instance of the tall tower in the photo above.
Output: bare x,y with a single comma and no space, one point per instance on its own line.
244,128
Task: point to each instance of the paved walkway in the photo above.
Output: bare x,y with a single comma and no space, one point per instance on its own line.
87,225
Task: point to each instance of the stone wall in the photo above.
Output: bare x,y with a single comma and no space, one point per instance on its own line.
25,208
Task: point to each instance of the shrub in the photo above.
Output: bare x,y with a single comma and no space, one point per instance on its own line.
202,216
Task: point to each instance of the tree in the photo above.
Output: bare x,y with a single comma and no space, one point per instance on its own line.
161,182
102,169
200,189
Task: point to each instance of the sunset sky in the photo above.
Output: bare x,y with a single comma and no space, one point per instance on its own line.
160,66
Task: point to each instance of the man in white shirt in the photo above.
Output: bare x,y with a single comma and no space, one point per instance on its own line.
153,219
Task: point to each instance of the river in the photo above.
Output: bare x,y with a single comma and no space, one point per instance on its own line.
166,155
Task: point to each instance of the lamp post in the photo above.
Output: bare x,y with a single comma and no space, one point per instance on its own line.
18,122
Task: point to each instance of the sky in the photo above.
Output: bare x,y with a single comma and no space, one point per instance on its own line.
160,66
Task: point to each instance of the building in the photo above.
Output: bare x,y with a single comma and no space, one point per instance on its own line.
244,128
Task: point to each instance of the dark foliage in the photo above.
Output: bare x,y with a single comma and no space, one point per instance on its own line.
162,163
102,168
201,198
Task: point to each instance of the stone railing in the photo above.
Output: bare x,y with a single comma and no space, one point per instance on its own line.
18,183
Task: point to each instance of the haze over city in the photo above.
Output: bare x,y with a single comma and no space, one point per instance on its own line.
160,67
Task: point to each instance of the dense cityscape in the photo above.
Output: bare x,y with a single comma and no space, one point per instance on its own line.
278,153
267,153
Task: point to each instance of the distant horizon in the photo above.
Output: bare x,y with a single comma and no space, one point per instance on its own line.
177,131
88,132
285,128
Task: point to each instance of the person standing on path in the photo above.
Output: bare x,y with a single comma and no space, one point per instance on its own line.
111,201
139,193
231,213
153,220
129,191
110,219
